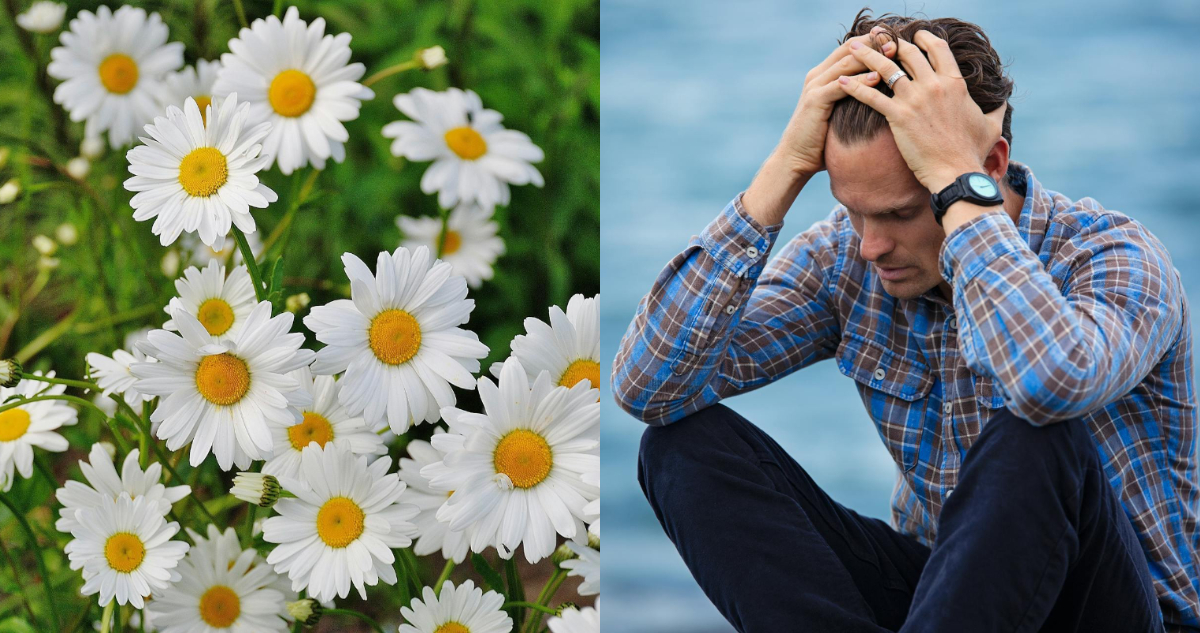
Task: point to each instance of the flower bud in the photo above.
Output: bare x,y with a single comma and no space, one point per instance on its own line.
170,263
298,302
92,147
257,488
562,554
66,234
78,168
432,57
306,611
10,373
9,191
44,245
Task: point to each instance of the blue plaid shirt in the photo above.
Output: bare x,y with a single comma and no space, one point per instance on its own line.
1075,311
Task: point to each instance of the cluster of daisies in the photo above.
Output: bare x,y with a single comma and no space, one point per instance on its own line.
229,375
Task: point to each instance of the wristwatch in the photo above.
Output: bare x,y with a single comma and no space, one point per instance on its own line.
975,186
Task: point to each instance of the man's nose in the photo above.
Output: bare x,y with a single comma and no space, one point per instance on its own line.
875,242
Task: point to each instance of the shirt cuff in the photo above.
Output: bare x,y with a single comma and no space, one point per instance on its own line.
978,242
737,241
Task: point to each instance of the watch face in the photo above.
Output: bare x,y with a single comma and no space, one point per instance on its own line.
982,185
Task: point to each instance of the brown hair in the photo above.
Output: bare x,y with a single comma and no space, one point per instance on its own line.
854,121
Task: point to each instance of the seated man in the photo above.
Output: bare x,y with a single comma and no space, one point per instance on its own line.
1028,353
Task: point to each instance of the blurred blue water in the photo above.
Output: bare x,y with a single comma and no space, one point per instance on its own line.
694,96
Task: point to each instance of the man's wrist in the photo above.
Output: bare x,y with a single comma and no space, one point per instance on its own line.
773,191
945,177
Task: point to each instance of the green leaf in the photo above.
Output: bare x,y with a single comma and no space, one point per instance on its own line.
493,580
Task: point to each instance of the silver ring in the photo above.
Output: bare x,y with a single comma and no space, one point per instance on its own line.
895,77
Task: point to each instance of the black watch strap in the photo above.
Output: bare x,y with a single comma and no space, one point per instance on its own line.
974,186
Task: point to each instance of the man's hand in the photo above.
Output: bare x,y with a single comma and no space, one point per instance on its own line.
940,131
801,150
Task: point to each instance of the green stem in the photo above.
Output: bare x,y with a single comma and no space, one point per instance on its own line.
144,436
278,9
437,586
41,561
391,70
162,458
362,616
547,593
106,619
294,205
16,574
82,384
530,605
251,264
78,401
441,244
45,338
241,13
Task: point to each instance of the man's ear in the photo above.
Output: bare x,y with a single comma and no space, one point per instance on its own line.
996,161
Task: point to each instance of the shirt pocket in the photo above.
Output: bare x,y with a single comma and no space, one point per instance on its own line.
894,389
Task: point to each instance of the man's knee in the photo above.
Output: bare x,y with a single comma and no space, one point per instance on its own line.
679,449
1066,444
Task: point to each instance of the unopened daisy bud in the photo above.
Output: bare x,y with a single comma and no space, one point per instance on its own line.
48,263
562,554
78,168
306,611
109,448
170,263
42,17
66,234
432,57
593,541
44,245
92,147
9,191
10,373
296,303
257,488
563,607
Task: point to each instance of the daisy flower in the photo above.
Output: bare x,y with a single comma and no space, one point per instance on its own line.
200,254
342,526
434,535
398,340
107,484
198,175
325,421
462,609
475,158
585,620
223,395
221,305
112,373
568,347
195,82
587,566
112,65
224,588
124,549
42,17
29,425
516,469
296,77
470,245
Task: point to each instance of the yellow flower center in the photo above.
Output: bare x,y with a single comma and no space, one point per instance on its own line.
203,171
222,379
524,456
220,606
118,73
203,102
451,243
578,370
13,424
314,428
339,522
216,316
395,336
124,552
466,142
452,627
291,93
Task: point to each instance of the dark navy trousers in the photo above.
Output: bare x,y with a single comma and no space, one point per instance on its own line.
1033,538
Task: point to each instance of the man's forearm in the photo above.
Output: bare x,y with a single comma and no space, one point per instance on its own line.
773,191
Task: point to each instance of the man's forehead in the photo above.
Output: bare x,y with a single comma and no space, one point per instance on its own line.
880,202
872,177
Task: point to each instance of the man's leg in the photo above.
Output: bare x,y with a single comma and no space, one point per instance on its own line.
770,549
1033,538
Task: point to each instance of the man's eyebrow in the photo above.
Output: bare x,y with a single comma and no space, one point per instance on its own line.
900,206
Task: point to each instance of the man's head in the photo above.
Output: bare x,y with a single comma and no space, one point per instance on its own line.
888,205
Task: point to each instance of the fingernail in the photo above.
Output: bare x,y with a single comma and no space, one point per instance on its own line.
887,48
856,45
843,80
872,76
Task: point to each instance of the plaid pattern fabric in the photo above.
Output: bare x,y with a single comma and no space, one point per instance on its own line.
1077,311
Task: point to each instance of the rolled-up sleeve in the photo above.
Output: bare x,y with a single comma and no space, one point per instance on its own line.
1067,336
719,321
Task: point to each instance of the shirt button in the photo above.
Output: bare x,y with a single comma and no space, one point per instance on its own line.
948,491
730,309
752,252
947,407
952,323
879,374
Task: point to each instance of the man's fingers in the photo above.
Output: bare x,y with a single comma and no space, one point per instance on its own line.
878,62
940,56
840,52
860,87
917,65
997,118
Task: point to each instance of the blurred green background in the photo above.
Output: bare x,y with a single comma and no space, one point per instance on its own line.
535,62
